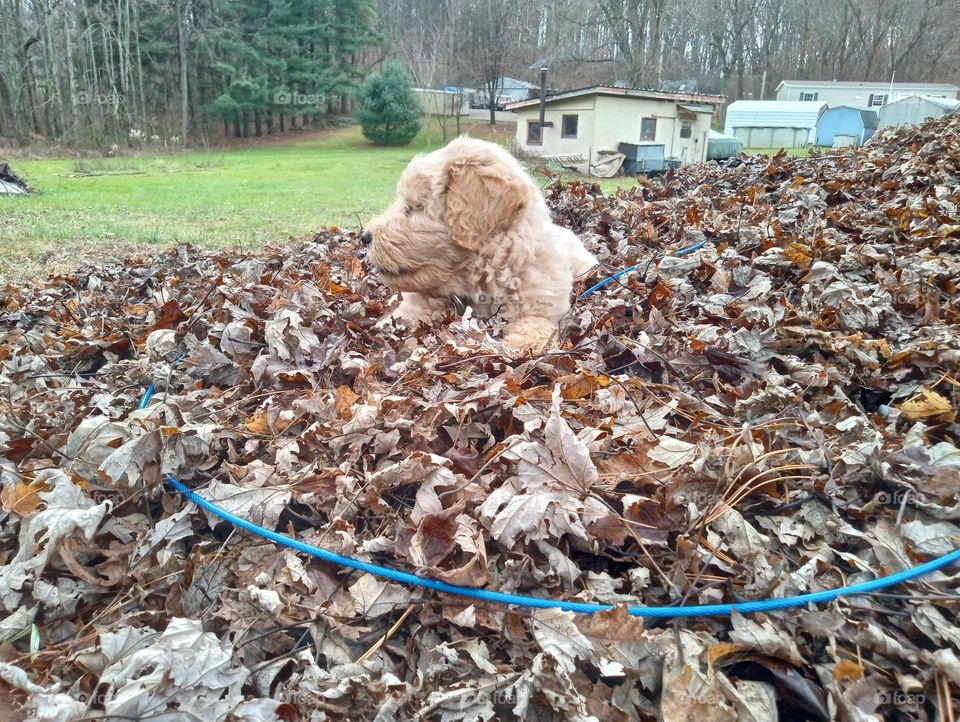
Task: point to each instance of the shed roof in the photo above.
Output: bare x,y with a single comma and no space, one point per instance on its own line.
868,118
644,94
867,84
948,104
781,106
773,114
945,103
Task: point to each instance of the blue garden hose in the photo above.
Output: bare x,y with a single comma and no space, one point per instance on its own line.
697,610
610,279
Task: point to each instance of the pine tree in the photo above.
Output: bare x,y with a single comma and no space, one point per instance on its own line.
389,113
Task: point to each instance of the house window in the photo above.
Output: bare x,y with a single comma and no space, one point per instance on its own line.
648,129
877,100
686,128
534,133
569,128
809,96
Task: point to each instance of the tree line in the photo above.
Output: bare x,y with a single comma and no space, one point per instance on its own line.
177,71
115,71
740,48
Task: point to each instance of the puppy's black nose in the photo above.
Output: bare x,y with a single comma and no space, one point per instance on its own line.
366,237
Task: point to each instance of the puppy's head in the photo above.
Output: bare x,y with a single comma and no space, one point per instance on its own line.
450,204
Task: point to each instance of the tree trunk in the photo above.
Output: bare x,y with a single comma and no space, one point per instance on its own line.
182,57
136,39
71,80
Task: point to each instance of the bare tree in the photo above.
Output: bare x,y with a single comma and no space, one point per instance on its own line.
487,44
183,8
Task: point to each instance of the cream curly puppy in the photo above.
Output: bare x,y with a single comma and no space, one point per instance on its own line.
470,225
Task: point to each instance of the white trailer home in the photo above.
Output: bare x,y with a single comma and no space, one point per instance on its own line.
859,94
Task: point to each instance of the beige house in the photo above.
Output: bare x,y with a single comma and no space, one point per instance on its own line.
579,124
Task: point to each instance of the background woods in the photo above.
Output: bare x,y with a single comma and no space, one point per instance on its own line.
112,70
128,71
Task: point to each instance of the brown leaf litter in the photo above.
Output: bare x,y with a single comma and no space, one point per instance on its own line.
771,415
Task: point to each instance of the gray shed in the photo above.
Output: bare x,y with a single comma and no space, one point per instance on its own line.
915,110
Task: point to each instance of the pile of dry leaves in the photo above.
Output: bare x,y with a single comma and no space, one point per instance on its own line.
771,415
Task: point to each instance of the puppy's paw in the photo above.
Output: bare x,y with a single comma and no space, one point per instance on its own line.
530,335
519,345
414,308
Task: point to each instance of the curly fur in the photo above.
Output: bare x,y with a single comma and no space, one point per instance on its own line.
468,223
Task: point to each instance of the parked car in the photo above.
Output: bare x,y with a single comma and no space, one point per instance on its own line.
481,103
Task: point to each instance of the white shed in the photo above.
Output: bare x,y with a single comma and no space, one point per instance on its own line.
915,110
773,123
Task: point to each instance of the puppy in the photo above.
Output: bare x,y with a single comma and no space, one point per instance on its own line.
469,224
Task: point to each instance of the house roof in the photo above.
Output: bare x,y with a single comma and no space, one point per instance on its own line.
696,107
695,98
866,84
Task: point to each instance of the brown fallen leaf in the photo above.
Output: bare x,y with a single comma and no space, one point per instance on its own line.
847,669
23,498
259,423
928,404
343,402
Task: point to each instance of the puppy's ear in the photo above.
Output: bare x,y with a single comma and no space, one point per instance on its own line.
484,198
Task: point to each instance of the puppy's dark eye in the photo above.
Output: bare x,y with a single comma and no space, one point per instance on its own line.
411,209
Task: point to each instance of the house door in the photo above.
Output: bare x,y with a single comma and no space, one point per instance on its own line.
686,140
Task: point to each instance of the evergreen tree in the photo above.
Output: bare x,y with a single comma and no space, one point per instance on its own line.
389,112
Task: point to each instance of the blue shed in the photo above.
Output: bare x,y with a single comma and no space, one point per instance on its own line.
843,125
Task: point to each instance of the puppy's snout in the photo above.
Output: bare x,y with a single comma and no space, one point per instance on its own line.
366,238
